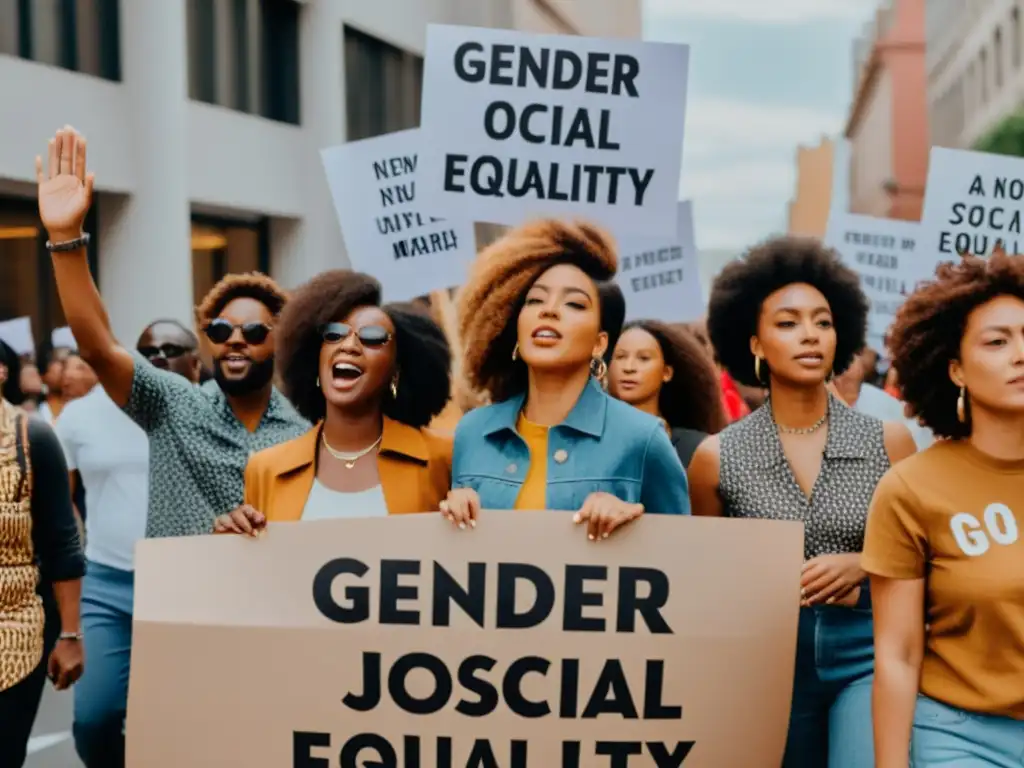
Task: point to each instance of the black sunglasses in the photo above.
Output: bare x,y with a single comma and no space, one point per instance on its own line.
219,331
368,335
167,351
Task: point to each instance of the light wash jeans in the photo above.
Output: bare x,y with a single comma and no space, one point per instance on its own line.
952,738
101,695
830,721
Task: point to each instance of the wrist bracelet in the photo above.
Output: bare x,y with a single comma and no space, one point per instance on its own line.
76,636
68,245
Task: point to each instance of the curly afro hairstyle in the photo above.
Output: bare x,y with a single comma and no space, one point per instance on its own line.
692,399
492,298
248,285
421,349
740,289
929,326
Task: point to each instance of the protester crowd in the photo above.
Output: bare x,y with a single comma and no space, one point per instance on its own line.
324,402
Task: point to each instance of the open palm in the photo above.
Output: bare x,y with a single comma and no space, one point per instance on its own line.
65,189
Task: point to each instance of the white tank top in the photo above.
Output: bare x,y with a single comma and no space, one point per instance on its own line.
326,504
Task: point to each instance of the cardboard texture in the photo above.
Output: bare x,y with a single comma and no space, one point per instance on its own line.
234,663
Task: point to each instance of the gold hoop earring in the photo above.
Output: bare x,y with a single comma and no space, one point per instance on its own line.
394,387
318,381
757,368
961,409
515,351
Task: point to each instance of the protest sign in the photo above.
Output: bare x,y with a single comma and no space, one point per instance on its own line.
17,334
972,200
63,338
660,279
388,232
553,125
882,253
405,643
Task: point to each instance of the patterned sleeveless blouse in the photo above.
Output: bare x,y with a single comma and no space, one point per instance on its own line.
21,608
755,478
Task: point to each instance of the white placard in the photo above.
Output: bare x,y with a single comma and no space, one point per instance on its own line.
17,334
882,252
972,199
517,126
660,278
374,184
62,338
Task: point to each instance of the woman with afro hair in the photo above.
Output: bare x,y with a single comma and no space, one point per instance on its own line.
943,546
530,317
786,317
370,378
666,372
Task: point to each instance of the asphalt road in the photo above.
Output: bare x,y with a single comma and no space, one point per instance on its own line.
51,745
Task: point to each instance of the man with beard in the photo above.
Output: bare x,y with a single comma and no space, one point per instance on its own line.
200,437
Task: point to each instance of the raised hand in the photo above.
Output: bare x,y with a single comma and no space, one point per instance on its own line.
65,189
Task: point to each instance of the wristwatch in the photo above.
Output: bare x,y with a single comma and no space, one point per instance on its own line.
75,636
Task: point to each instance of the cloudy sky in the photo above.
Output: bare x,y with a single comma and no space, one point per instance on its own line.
765,76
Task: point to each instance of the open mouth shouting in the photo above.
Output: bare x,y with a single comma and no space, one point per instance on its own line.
345,375
545,336
235,364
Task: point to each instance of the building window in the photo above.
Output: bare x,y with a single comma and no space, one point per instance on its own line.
223,247
1015,37
80,35
997,58
244,55
27,287
983,74
382,86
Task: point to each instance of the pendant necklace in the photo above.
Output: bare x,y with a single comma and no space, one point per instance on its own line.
350,459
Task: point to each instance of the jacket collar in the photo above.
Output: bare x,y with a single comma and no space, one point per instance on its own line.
586,417
399,440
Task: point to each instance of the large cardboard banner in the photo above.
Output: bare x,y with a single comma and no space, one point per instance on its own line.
882,252
660,279
516,125
402,643
389,231
972,200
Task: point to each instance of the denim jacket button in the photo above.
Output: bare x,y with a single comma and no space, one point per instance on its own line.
561,455
511,469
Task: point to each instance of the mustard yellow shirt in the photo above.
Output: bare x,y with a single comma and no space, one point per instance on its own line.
533,495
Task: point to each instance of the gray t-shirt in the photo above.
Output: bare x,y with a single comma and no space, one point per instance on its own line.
198,448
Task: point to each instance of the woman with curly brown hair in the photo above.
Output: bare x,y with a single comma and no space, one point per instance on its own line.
786,317
667,373
943,546
530,317
348,363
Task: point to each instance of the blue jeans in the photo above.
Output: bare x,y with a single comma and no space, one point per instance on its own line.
830,721
101,695
947,736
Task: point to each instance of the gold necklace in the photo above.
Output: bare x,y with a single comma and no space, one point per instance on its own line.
350,459
803,430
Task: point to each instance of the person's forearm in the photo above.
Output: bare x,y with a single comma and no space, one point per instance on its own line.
68,595
80,299
893,698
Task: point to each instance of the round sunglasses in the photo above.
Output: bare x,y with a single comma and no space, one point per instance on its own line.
368,335
220,330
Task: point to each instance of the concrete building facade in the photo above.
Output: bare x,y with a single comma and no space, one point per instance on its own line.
809,208
887,126
975,67
205,120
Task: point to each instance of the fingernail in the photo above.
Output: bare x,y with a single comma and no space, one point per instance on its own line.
575,518
472,523
604,535
830,600
590,536
462,526
803,592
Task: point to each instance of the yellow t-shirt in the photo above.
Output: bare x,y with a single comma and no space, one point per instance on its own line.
954,516
533,495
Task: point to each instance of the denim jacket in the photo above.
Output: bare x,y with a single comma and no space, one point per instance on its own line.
603,445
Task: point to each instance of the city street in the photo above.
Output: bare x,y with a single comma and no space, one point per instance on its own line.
51,745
